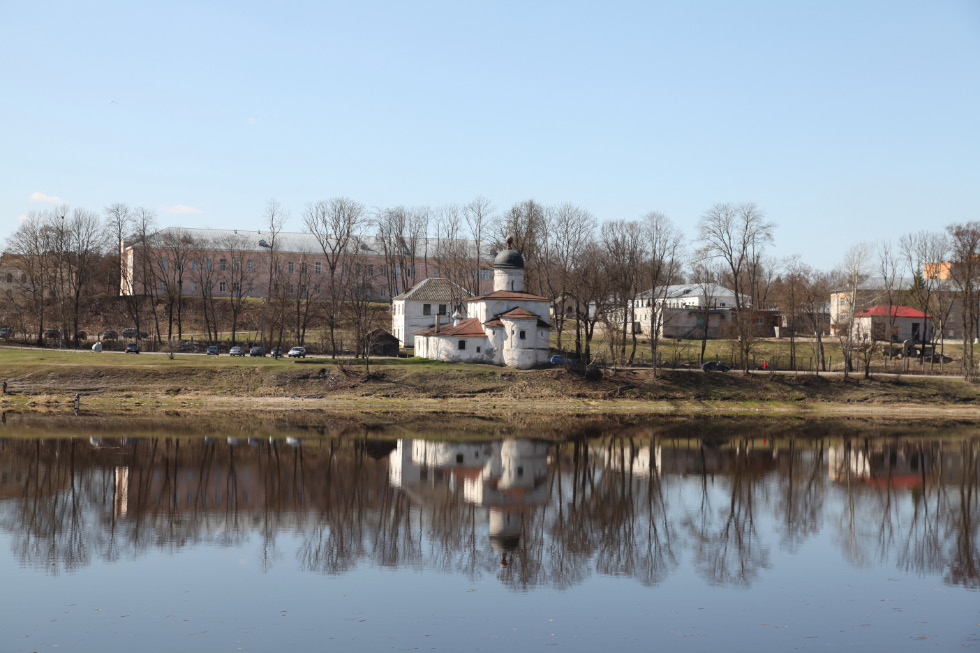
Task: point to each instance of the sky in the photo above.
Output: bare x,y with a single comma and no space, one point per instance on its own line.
844,120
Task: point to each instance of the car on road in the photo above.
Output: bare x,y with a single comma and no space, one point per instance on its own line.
236,351
213,350
297,352
715,366
256,351
132,348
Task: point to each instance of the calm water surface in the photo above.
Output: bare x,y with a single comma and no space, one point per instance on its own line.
613,542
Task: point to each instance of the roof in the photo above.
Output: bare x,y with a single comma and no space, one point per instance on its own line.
469,328
519,313
495,322
508,294
296,242
435,289
890,311
509,259
681,290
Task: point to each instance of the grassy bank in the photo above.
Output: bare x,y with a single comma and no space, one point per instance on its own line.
52,378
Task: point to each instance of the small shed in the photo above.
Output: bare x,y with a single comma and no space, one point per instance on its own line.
381,343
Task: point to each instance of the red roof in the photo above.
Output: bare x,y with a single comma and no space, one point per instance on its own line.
890,311
519,313
469,328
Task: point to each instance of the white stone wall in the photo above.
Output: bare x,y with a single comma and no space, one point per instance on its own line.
508,279
407,318
446,348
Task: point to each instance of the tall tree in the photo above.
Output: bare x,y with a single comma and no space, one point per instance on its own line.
664,248
335,224
965,274
737,235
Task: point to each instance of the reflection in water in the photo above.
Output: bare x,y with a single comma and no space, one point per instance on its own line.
531,513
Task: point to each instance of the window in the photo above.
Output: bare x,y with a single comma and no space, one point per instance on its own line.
462,345
442,309
398,270
485,275
208,264
235,287
163,265
318,267
291,266
478,351
236,264
426,309
222,265
523,335
251,266
194,286
223,286
304,267
278,266
410,271
435,271
194,266
10,277
370,269
384,292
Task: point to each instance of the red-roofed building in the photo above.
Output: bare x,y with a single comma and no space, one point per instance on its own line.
893,324
505,327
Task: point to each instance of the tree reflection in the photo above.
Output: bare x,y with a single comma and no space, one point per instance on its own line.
528,513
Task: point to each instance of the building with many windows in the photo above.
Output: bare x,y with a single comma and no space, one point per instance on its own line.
238,262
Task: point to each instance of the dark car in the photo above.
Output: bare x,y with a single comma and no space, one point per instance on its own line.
132,348
275,352
6,333
109,334
236,351
50,333
715,366
256,351
130,333
213,350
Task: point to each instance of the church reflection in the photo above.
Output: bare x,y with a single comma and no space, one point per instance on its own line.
530,512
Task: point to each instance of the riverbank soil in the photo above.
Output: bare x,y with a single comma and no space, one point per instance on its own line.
38,378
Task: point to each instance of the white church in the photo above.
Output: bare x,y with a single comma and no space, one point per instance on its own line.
505,327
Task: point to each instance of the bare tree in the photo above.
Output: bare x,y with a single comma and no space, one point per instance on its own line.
705,274
737,235
240,276
451,253
920,251
478,214
32,243
175,248
273,309
851,275
591,294
525,221
568,230
663,263
624,241
964,270
335,223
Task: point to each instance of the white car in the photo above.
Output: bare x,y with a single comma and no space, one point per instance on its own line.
296,352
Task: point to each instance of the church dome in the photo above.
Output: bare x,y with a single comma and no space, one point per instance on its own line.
510,257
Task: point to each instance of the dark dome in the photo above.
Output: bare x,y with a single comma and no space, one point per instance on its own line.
509,258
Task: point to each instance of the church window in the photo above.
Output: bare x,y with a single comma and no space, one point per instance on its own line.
523,335
462,345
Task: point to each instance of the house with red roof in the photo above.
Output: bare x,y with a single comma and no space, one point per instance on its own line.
884,323
505,327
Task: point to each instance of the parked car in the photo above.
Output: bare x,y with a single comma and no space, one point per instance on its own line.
81,335
275,352
130,333
256,351
109,334
236,351
213,350
715,366
557,359
6,333
50,333
297,352
132,348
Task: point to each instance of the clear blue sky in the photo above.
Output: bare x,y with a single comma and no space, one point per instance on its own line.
846,120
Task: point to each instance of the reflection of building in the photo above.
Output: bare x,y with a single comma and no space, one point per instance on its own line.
879,464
